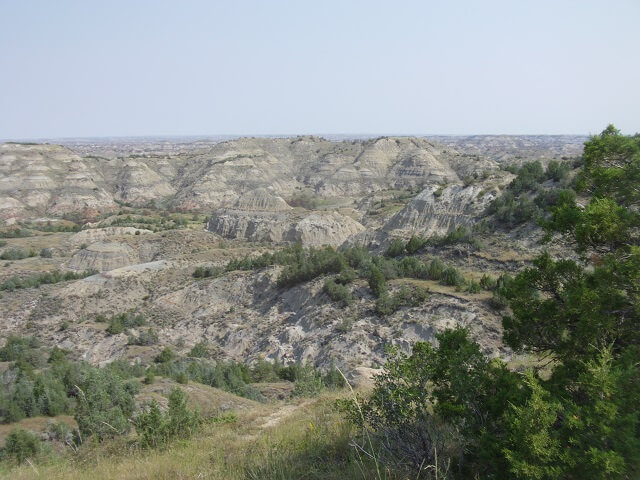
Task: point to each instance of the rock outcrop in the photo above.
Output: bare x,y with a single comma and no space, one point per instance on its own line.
312,229
93,235
49,179
104,256
437,210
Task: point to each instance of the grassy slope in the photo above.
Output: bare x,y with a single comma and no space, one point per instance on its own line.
302,439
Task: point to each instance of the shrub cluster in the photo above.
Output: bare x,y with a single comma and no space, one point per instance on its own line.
157,429
516,205
17,254
124,321
206,272
35,281
338,292
405,296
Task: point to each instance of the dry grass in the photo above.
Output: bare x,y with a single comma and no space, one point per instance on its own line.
35,424
310,440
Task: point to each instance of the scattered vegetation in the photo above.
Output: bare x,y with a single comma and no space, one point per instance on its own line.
346,265
467,416
124,321
17,254
206,272
525,198
35,281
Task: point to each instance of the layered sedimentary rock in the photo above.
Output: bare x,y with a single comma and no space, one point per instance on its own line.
52,180
49,179
260,216
437,210
104,256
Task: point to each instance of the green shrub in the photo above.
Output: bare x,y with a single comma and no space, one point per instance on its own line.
530,175
105,404
311,264
557,171
22,445
149,376
487,282
436,269
165,356
23,350
156,429
452,277
309,382
16,254
199,350
430,407
395,249
124,321
337,292
377,282
414,244
346,276
474,287
46,253
512,211
206,272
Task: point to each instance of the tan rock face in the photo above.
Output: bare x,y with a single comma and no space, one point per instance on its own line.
137,183
437,210
260,216
104,256
314,229
49,179
101,234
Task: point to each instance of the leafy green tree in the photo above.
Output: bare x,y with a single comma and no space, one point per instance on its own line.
447,401
377,281
584,314
414,244
156,429
395,249
104,404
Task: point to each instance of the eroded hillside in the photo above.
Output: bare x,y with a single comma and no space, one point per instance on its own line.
139,226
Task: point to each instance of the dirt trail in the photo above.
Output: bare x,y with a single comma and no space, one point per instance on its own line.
275,418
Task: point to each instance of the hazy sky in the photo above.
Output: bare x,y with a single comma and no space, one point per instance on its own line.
107,68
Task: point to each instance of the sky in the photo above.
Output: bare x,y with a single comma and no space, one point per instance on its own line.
92,68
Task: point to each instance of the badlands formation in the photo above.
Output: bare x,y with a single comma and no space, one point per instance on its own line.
145,221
